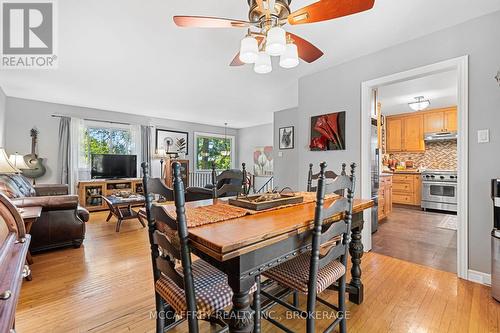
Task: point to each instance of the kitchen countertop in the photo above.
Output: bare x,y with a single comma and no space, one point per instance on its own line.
403,172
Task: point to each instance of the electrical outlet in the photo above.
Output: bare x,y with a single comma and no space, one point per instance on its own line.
483,136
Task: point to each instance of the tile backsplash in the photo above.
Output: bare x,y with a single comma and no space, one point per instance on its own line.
438,155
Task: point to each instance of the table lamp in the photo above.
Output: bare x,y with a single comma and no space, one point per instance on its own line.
18,161
161,153
5,165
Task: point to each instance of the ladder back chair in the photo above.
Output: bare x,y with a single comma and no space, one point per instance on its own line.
195,290
325,265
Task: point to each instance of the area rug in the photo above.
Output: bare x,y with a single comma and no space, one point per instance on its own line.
449,222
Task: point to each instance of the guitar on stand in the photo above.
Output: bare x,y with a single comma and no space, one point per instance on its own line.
37,169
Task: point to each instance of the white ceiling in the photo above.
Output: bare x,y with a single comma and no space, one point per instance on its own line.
440,89
128,56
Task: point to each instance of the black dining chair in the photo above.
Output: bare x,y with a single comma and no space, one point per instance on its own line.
313,177
195,290
228,183
324,267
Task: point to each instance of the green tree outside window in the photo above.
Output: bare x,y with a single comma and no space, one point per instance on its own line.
213,150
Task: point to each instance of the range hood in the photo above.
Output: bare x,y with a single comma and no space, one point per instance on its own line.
441,136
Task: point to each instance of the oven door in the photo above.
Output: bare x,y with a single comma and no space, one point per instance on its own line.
439,192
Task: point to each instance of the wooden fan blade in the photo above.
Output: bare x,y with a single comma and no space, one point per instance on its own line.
307,51
237,62
324,10
209,22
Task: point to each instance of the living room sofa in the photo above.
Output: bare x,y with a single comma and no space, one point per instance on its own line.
62,222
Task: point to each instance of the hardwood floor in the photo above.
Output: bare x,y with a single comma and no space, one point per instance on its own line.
106,286
413,235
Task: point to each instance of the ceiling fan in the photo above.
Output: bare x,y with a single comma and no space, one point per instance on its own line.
266,36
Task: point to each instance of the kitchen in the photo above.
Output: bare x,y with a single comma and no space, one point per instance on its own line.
415,134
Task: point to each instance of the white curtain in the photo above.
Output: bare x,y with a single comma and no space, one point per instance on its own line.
77,159
135,133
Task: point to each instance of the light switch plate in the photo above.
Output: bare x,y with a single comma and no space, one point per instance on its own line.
280,154
483,136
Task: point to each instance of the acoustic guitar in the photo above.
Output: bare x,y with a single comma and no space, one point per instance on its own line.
37,169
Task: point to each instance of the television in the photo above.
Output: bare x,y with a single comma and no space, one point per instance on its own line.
108,166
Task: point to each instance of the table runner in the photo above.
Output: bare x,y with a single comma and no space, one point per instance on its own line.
223,211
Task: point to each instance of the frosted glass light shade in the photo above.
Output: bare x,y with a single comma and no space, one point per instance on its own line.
290,58
420,105
263,64
18,161
249,50
276,41
5,165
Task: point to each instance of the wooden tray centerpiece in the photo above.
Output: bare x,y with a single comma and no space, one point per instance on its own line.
265,201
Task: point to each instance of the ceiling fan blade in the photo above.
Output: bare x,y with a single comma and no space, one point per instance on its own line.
237,62
209,22
324,10
307,51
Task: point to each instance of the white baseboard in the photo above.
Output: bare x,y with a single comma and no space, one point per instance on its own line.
479,277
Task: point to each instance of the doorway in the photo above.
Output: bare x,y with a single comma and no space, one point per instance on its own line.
460,66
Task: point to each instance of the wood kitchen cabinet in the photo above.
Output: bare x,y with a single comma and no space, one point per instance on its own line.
406,189
440,120
385,197
405,133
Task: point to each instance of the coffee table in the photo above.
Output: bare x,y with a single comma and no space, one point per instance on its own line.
121,208
29,216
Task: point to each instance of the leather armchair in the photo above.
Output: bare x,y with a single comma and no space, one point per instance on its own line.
62,222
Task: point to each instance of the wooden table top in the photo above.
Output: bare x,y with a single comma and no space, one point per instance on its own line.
229,239
31,212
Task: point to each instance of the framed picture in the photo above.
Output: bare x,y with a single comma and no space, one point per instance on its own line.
172,141
263,161
287,137
328,132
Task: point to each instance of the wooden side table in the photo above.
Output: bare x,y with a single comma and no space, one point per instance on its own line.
30,215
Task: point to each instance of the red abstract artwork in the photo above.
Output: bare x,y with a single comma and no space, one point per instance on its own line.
328,132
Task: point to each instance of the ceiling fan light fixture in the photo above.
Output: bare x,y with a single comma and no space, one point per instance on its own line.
276,41
290,58
249,50
263,64
420,104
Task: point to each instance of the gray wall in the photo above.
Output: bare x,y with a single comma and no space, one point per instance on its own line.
23,114
3,100
286,165
251,137
339,89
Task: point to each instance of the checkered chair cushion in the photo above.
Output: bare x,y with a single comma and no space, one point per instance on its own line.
294,273
211,290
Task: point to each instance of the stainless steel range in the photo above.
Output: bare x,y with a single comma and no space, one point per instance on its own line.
439,190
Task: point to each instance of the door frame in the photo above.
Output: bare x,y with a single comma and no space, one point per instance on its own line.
461,65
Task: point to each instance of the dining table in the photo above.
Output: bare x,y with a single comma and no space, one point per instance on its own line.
245,246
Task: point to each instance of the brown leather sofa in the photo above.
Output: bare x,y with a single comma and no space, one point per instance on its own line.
62,222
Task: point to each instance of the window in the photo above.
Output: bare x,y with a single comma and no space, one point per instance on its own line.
102,140
214,148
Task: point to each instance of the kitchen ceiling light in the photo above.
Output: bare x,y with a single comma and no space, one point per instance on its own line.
249,50
290,58
420,104
276,41
263,64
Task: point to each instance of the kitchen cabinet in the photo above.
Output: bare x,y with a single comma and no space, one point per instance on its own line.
440,120
450,120
405,133
406,189
394,134
385,197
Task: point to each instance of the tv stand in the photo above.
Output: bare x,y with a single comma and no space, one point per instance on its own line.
90,191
